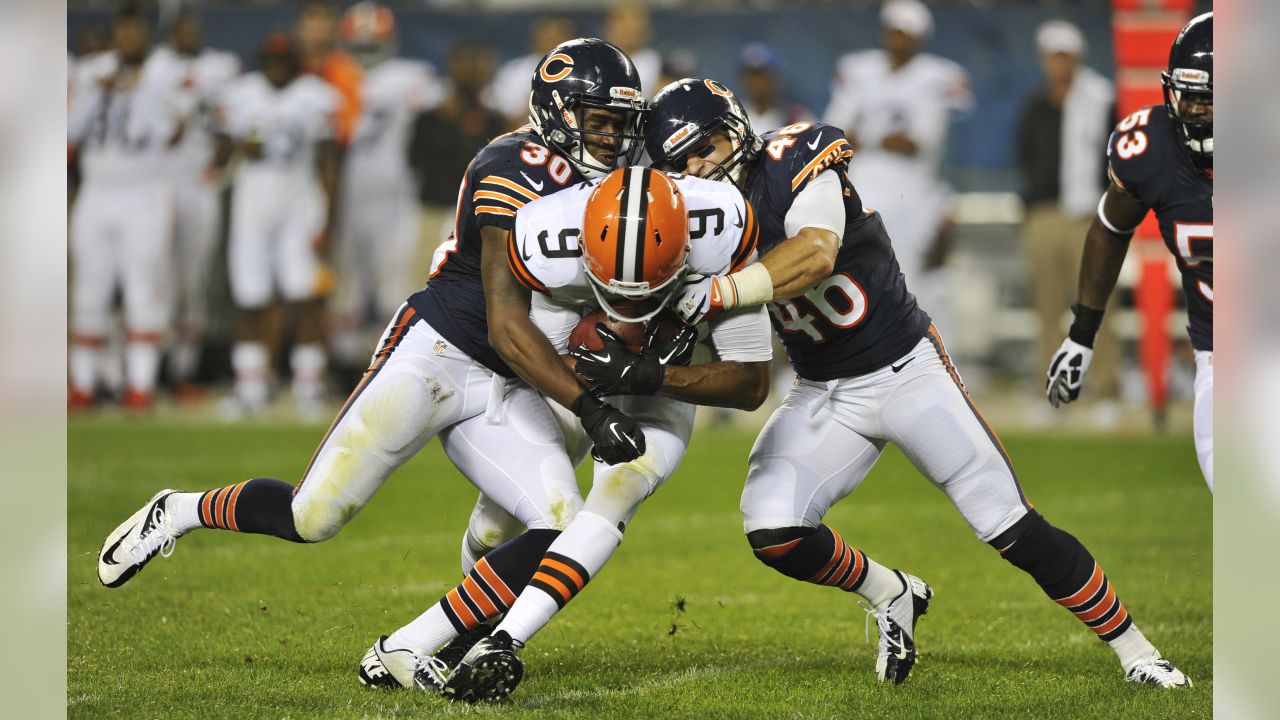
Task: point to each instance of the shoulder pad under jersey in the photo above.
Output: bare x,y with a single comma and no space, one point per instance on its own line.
794,155
722,225
543,248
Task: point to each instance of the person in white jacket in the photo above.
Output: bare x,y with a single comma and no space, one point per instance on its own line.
895,103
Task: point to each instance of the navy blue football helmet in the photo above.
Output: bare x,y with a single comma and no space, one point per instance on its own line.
580,74
1190,77
684,114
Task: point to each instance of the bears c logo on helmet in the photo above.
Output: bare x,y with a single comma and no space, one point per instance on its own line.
718,88
566,66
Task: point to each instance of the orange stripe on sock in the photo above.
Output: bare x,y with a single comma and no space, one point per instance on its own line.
460,609
773,552
213,507
1089,590
205,516
231,507
568,571
844,565
835,557
857,570
1102,608
495,582
481,600
1114,622
554,583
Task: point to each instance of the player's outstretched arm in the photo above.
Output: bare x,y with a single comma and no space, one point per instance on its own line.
1105,246
787,271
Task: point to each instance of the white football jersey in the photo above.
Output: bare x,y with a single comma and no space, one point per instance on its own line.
196,82
120,122
288,121
872,100
546,257
392,95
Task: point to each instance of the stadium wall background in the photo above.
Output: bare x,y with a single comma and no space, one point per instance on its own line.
997,45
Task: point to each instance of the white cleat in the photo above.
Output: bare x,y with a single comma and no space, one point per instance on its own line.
1156,672
383,667
897,626
132,545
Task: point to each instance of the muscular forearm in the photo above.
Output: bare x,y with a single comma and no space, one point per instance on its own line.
528,352
801,262
722,384
1100,265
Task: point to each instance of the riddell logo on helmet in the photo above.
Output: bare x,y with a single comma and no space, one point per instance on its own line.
566,67
679,135
624,93
1190,75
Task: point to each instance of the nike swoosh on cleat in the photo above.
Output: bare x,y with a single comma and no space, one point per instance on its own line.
536,185
109,557
814,145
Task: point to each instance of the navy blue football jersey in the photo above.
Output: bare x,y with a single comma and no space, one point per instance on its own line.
514,169
862,317
1147,161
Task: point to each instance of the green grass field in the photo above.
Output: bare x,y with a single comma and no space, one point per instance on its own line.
253,627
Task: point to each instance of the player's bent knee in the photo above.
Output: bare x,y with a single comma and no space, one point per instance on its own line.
1050,555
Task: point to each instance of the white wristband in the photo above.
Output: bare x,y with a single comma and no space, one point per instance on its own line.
751,286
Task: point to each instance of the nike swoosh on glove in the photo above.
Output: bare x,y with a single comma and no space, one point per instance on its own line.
676,351
1066,372
615,370
701,297
616,437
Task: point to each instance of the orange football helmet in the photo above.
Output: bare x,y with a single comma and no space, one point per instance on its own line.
635,239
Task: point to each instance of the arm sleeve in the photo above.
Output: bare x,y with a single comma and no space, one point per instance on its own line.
819,205
743,335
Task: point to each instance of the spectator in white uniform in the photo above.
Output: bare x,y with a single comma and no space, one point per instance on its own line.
895,103
377,242
281,124
196,76
121,125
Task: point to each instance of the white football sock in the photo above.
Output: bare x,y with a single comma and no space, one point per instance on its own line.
250,360
141,365
1131,646
590,541
82,365
184,511
426,634
880,586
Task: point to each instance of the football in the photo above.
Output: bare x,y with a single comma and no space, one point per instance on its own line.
631,333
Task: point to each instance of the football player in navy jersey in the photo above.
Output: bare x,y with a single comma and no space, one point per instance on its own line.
1159,158
434,372
872,370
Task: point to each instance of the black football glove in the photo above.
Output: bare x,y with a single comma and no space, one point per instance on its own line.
676,351
616,437
615,370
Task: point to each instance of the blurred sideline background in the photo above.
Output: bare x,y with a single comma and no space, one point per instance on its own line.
990,325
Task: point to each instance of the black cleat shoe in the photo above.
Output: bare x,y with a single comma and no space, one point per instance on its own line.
456,649
489,671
